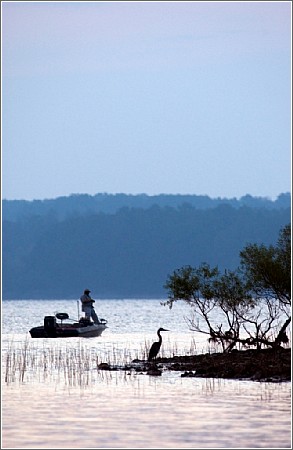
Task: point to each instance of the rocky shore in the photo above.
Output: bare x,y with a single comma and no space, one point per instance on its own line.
272,365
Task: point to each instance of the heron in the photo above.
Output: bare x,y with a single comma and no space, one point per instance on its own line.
155,348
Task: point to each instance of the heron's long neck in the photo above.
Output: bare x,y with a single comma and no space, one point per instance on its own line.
160,337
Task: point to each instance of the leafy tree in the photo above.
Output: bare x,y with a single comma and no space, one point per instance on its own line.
268,269
268,272
251,300
212,296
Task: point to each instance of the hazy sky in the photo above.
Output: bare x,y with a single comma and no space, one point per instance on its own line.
146,97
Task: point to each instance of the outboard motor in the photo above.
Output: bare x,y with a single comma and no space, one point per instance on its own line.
50,326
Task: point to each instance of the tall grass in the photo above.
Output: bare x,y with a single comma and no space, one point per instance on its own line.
75,363
27,362
16,362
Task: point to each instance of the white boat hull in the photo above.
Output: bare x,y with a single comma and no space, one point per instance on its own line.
92,330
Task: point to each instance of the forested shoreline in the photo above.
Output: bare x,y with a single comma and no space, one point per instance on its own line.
129,251
75,204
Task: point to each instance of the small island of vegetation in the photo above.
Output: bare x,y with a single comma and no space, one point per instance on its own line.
254,307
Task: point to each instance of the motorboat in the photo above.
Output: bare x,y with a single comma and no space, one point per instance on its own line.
55,327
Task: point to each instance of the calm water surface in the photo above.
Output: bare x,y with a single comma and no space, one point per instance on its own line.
60,399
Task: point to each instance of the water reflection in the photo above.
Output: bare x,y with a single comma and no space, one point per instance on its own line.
130,410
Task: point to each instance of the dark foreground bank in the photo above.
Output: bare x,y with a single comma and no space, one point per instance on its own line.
262,365
272,365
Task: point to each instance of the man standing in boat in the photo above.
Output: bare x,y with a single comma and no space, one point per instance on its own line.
87,306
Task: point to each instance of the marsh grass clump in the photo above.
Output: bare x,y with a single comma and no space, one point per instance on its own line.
74,364
16,362
28,361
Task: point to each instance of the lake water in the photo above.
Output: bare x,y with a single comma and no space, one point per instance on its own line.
54,396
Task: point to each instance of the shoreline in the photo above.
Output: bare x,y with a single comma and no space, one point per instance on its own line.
271,365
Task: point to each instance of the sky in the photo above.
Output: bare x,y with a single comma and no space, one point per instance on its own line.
146,97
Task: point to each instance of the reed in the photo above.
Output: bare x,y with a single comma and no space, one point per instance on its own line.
75,364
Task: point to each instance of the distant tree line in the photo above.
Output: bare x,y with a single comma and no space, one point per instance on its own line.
75,204
128,253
